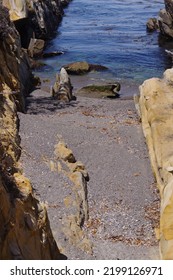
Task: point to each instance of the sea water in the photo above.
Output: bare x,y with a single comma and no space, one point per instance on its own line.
111,33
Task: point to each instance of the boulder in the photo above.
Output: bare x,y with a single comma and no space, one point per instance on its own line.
83,67
15,74
155,103
62,89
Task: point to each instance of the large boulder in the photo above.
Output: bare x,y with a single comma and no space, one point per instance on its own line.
155,103
82,67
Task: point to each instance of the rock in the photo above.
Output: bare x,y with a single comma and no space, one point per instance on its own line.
24,226
156,99
100,91
51,54
152,24
18,9
166,19
77,68
15,74
62,89
35,19
83,67
36,47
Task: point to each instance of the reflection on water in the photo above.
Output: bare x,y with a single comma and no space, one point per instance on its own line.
111,33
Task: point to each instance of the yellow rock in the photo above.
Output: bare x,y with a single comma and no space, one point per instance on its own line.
156,107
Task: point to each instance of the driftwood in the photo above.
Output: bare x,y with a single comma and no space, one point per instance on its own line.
62,89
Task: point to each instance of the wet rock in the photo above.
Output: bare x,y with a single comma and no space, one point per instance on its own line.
51,54
62,89
101,91
35,19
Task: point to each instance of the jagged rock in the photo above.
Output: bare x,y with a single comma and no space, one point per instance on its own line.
36,47
156,99
62,89
166,19
82,67
78,175
152,24
24,226
101,91
15,74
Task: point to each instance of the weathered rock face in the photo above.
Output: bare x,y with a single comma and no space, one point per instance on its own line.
35,19
24,225
15,74
155,102
166,19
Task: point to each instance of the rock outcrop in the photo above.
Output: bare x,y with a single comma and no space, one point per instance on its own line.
165,19
24,226
155,103
35,19
62,89
15,74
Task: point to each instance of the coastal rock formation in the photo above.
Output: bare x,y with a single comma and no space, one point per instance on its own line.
35,19
24,225
62,89
15,74
155,102
152,24
166,19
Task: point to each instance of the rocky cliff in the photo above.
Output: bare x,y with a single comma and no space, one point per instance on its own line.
24,226
156,101
166,19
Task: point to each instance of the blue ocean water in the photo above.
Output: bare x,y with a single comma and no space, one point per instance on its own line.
112,33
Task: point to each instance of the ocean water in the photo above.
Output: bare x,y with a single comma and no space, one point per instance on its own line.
112,33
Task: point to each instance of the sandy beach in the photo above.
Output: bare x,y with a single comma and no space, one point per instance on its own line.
106,136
